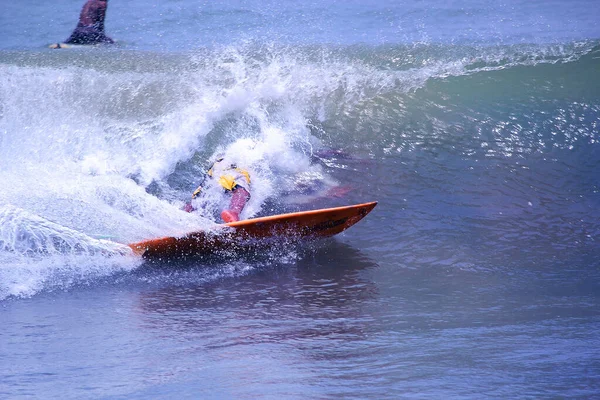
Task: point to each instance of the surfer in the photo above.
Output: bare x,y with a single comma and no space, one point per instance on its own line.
235,181
90,28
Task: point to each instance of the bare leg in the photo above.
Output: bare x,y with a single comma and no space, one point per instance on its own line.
239,198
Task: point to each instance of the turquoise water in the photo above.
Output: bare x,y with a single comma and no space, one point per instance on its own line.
475,127
179,24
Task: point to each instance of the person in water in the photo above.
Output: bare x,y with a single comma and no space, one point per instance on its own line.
90,28
235,181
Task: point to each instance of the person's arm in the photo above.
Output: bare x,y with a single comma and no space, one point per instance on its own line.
188,207
97,14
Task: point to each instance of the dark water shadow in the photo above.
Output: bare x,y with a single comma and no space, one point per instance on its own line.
315,291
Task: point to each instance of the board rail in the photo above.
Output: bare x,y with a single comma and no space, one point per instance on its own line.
255,232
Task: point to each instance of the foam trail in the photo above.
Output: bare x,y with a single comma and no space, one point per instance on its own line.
26,234
38,254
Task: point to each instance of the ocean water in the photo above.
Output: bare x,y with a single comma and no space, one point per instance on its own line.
475,125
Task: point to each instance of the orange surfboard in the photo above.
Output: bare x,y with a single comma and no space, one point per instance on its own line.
236,236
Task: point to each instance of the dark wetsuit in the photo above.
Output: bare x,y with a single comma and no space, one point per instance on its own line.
90,29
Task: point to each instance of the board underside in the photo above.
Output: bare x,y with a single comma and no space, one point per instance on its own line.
255,232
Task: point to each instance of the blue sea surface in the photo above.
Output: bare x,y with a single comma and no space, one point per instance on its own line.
475,125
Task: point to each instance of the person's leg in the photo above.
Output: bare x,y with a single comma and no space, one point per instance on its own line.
188,207
239,198
87,35
81,36
104,39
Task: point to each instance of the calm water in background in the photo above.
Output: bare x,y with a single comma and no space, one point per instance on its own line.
474,125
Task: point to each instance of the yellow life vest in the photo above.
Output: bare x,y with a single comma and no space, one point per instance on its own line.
228,176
